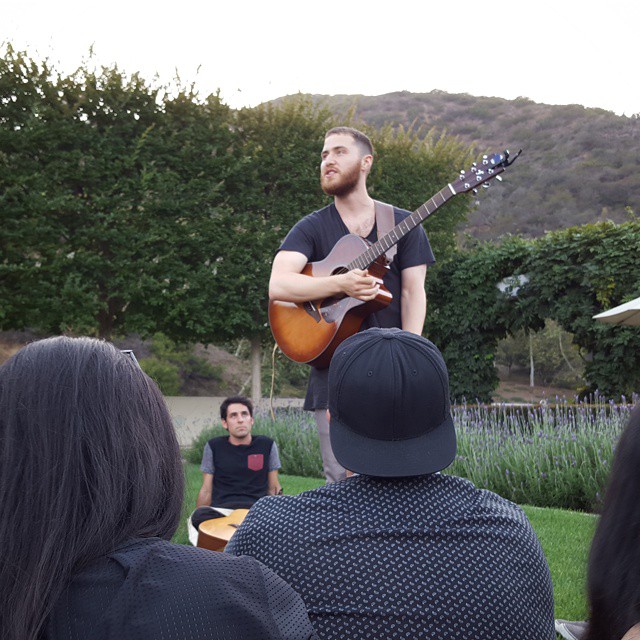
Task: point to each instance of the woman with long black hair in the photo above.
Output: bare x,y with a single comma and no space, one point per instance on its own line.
91,488
613,583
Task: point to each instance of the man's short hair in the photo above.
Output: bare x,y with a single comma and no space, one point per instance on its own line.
361,139
235,400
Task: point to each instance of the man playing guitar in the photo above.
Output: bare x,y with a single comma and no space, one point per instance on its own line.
347,157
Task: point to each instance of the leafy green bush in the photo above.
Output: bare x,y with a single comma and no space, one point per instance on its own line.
172,364
165,374
566,276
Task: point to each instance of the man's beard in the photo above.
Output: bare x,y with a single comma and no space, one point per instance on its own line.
344,185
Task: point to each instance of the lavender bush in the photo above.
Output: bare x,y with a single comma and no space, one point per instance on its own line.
555,455
545,455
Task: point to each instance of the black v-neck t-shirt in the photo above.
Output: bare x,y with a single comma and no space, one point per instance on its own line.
315,236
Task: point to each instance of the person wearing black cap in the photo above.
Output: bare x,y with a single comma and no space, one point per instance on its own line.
400,550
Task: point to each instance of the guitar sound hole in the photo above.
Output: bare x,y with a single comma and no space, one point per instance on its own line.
339,296
311,309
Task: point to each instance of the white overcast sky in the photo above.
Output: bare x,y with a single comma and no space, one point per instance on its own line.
552,51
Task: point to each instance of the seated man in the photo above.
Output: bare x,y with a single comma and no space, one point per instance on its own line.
399,550
236,469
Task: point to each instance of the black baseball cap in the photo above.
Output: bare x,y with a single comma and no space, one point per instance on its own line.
389,404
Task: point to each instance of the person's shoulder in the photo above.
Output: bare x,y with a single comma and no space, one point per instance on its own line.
217,441
177,565
268,506
491,506
500,506
414,248
182,579
400,214
258,437
498,517
322,212
317,217
276,516
463,492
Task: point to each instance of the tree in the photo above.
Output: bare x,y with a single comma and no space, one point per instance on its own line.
567,276
411,167
575,274
468,314
278,184
129,208
112,198
556,359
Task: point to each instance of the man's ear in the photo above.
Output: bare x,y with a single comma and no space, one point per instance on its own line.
366,162
224,425
328,415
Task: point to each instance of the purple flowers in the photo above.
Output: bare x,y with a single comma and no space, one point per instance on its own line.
547,455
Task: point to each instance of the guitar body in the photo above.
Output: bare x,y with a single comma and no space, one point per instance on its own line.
309,332
214,534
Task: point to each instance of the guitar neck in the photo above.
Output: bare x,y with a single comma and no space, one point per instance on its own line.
382,245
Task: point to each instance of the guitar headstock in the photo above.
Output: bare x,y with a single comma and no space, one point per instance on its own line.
481,173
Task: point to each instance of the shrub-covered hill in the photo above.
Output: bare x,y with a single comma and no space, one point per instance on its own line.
579,165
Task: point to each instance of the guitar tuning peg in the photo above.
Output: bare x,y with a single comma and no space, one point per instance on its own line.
486,185
474,191
474,168
499,178
462,172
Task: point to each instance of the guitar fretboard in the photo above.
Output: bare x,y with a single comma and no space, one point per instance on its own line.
382,245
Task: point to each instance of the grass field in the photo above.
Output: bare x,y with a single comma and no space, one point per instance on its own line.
565,537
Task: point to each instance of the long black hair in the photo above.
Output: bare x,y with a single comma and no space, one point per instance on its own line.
88,460
613,583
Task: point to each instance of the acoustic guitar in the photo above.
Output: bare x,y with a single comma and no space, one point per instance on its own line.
309,332
214,534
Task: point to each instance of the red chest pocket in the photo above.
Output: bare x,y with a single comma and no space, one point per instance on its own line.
255,461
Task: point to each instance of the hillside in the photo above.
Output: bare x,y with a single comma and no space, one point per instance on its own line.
234,373
578,165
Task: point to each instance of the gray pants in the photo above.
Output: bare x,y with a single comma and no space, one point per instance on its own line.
333,470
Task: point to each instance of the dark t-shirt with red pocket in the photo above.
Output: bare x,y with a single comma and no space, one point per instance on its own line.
241,473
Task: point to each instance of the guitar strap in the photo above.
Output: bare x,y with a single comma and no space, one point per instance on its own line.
385,221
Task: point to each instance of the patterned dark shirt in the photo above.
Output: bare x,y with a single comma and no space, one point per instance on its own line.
151,589
410,558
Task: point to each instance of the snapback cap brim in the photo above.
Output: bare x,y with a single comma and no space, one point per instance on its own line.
418,456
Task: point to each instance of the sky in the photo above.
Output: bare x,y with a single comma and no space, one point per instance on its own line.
554,52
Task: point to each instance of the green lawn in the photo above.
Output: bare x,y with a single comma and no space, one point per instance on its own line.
565,537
